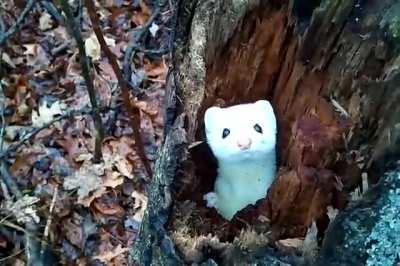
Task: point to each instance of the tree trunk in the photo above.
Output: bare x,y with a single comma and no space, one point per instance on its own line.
332,72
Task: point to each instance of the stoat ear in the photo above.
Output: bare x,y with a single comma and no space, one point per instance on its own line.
268,113
264,105
210,117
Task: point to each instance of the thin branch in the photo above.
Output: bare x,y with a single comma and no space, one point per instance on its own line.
4,189
9,180
88,79
17,25
133,110
53,11
48,223
30,135
151,52
2,26
2,107
12,255
133,45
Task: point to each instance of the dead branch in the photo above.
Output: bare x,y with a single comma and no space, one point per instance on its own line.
133,110
18,23
30,135
88,80
53,11
133,45
48,223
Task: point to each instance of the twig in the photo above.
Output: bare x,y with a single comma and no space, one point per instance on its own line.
4,189
133,110
88,79
13,226
48,223
52,10
35,131
12,255
152,52
60,48
17,25
9,180
2,26
2,107
133,43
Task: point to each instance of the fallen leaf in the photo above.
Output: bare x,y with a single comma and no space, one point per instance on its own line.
113,179
36,56
23,209
119,162
11,131
74,231
46,114
156,69
24,162
73,146
139,18
106,71
108,207
45,22
92,46
103,90
291,242
86,179
106,257
6,58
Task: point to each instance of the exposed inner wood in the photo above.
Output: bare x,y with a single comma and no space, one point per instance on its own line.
331,90
260,62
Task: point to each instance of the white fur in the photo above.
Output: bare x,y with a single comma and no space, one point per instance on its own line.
244,176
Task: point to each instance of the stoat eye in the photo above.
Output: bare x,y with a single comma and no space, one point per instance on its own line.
225,133
258,128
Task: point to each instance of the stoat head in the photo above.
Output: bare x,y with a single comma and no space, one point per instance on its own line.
241,132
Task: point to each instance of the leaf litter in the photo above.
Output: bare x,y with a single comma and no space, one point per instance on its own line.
99,206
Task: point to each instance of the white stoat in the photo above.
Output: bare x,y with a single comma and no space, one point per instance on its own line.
242,138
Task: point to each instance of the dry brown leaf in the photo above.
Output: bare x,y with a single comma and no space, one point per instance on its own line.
139,18
96,194
124,167
24,162
87,179
108,208
91,180
122,146
113,179
156,69
106,257
73,146
73,232
106,71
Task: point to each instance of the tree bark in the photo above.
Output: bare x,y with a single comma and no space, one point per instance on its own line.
332,72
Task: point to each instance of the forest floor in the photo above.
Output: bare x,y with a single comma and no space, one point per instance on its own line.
52,193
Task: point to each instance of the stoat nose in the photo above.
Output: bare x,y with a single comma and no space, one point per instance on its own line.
244,143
